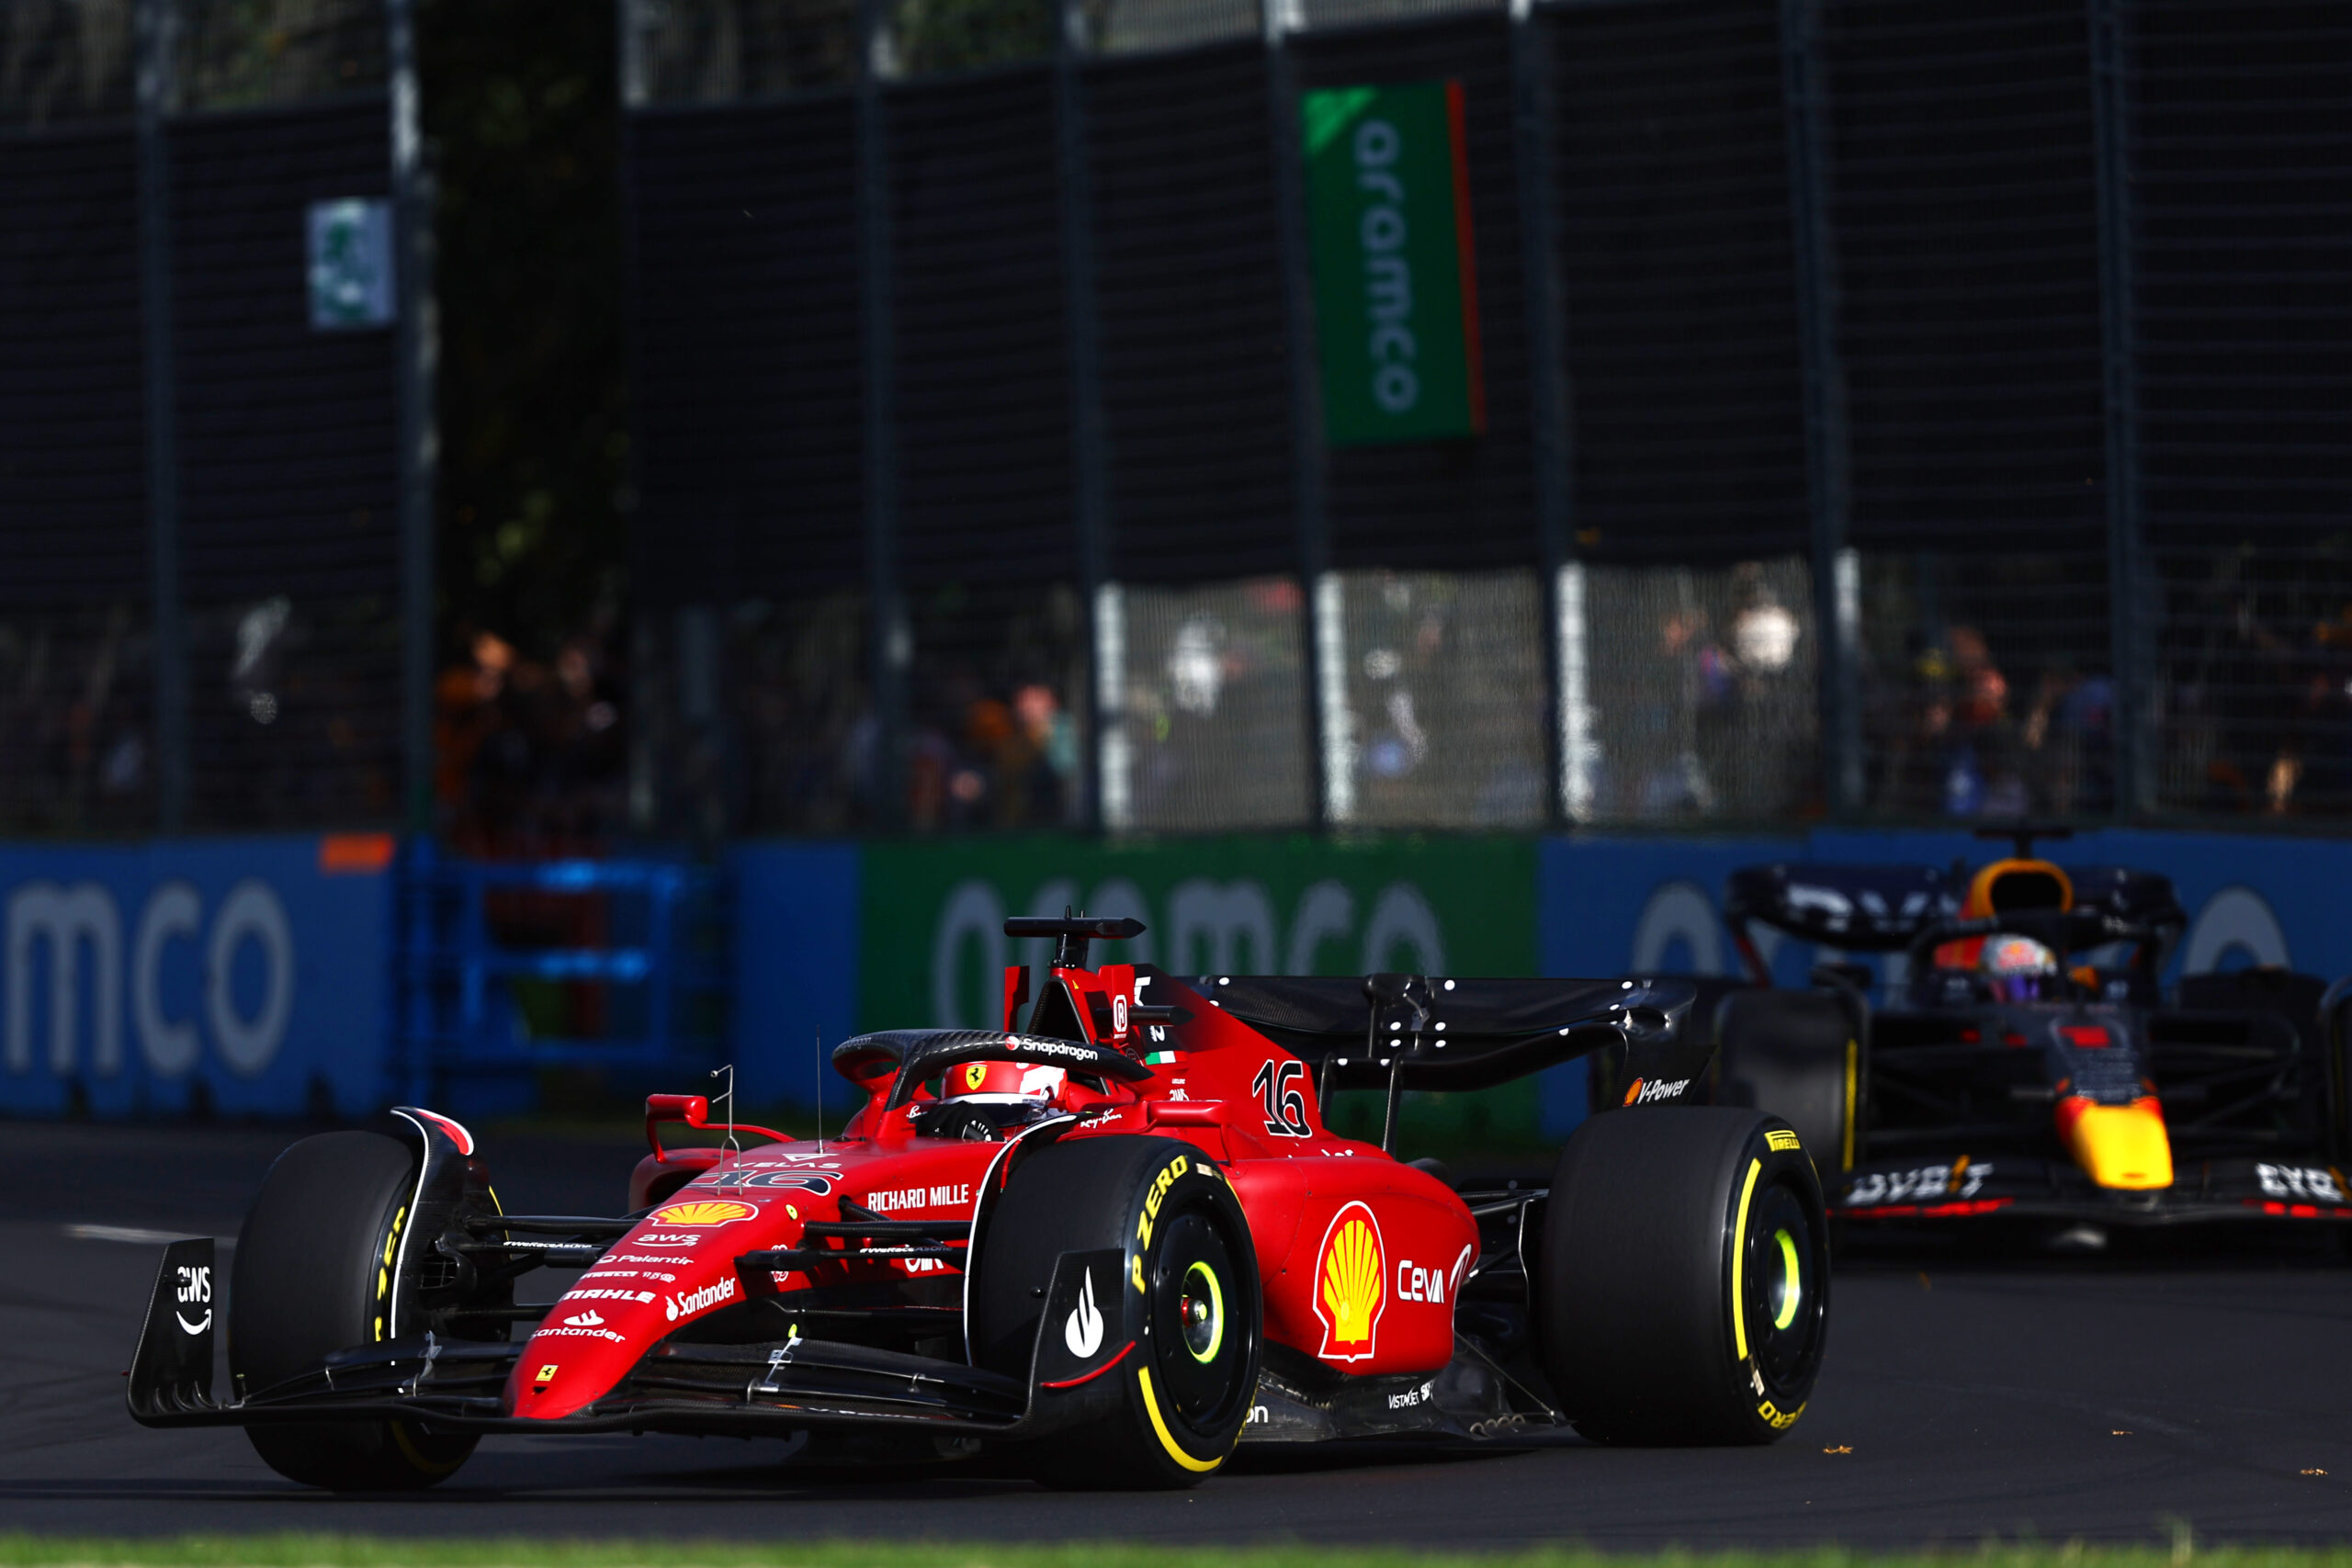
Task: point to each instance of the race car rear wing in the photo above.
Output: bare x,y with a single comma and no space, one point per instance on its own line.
1431,1033
1885,909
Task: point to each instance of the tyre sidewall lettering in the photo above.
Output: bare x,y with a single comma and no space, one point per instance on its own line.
1774,1159
1179,1183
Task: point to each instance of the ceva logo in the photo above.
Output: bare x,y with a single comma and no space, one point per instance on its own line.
78,927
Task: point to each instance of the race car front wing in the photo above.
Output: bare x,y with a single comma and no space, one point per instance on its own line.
776,1387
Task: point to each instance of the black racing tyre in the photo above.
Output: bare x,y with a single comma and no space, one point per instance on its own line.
1185,1389
1797,1056
313,1275
1682,1292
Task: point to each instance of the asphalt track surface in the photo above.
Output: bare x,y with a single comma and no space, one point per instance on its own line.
2005,1397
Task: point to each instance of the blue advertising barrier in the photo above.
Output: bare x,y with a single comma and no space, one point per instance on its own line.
796,968
258,976
248,975
1608,904
628,960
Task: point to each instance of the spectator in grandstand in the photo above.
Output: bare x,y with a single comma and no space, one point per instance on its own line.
529,757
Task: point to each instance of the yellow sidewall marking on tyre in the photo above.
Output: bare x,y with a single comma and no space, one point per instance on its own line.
1216,1310
1789,1275
1853,1075
1167,1438
406,1443
1739,1263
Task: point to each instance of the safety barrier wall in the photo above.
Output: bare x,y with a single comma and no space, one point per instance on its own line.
231,976
258,976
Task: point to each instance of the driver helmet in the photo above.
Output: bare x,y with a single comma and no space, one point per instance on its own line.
1001,1082
2017,967
987,1100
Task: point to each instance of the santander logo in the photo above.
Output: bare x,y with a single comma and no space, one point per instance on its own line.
686,1304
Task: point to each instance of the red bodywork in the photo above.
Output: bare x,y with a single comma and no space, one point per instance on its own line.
1361,1256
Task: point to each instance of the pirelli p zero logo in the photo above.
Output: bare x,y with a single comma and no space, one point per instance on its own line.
1147,1215
1780,1139
1158,1194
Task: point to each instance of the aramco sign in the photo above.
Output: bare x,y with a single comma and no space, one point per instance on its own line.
1395,284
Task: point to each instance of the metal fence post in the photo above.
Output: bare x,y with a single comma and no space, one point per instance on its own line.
1568,735
418,351
892,639
156,21
1327,720
1828,454
2130,629
1089,455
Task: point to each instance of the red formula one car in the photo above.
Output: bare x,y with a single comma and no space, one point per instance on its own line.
1115,1241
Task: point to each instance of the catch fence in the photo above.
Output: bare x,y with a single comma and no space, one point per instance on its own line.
205,614
1893,411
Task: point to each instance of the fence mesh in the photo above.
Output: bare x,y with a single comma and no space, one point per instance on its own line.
1984,685
1321,14
714,51
1670,166
1203,692
63,61
2242,203
933,38
995,736
1444,699
76,721
257,53
1134,27
293,718
1696,698
2254,712
1965,198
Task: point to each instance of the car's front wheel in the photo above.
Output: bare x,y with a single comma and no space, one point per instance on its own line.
313,1275
1184,1300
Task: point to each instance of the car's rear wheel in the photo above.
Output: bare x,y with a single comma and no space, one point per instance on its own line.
1797,1056
1187,1301
313,1275
1683,1285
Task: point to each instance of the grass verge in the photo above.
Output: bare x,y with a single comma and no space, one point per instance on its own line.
293,1550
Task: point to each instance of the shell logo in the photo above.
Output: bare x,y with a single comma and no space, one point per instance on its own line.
701,1214
1348,1273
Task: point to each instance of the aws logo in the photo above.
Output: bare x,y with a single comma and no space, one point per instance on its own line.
1349,1271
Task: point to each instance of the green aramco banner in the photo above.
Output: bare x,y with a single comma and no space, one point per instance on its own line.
1396,292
